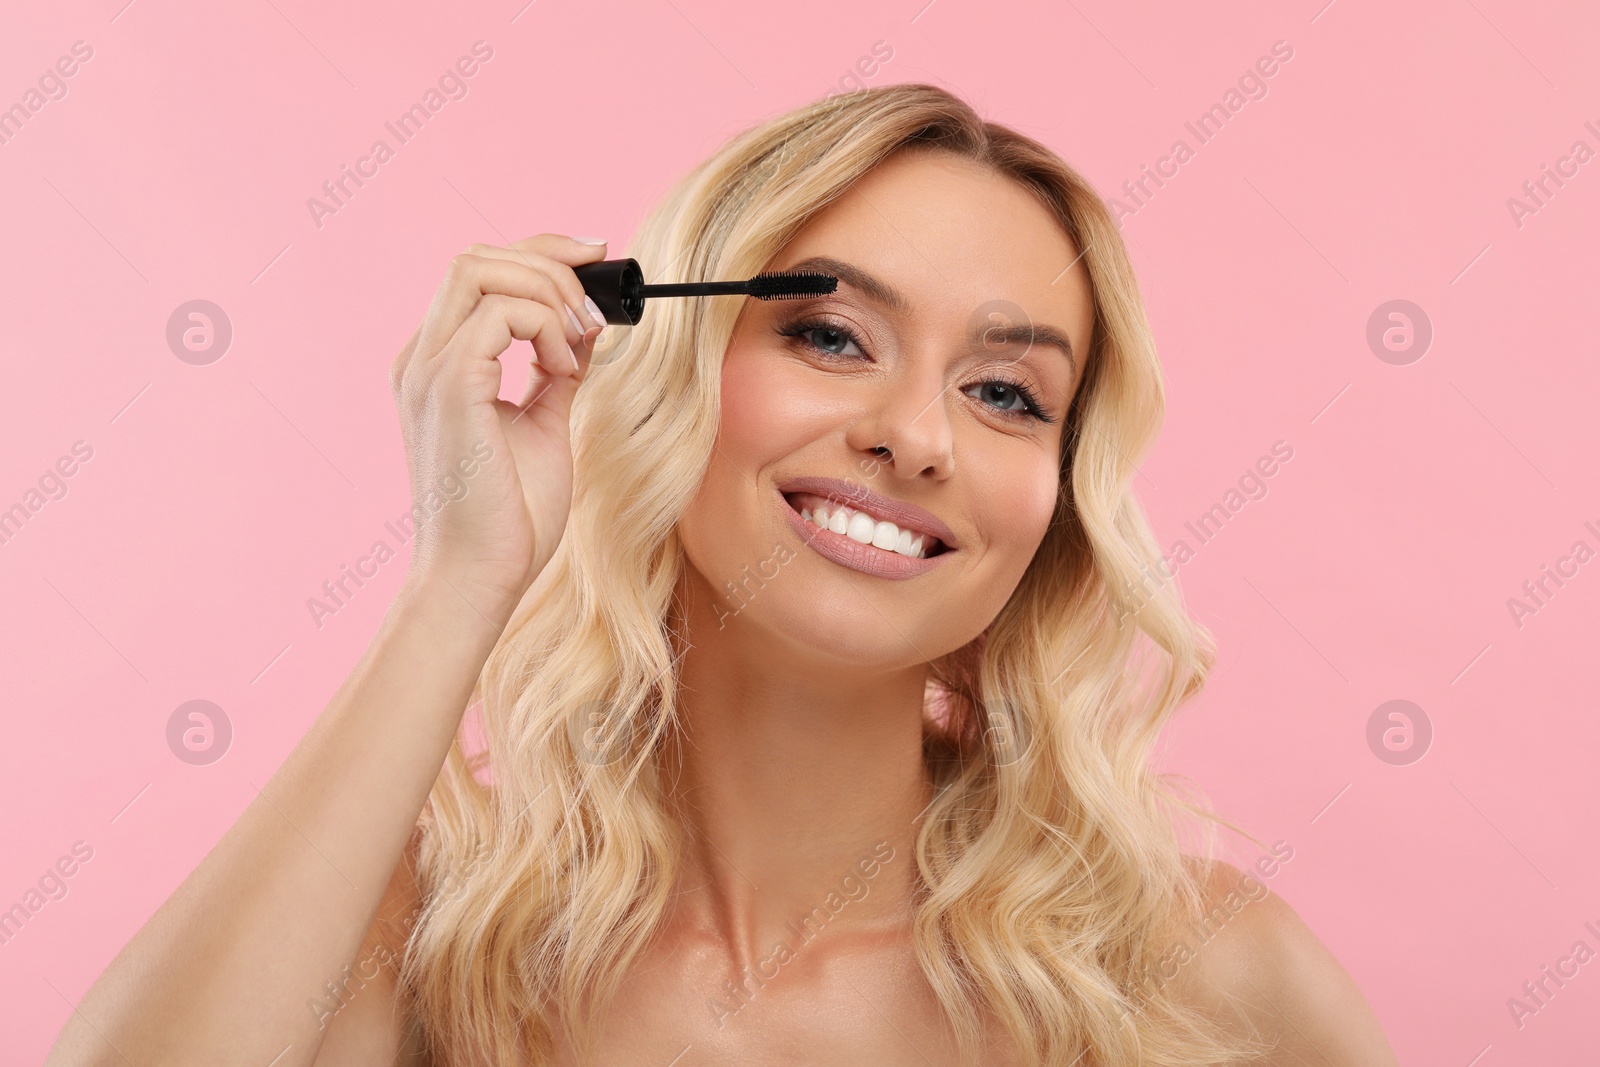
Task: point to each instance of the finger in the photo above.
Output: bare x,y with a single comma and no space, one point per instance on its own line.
548,250
564,285
472,354
584,350
471,277
560,247
540,384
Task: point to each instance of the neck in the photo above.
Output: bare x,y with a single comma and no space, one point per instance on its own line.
794,778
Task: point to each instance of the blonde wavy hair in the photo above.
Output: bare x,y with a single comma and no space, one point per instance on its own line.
1050,874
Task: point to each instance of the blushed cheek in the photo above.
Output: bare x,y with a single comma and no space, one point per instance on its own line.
1028,503
770,411
755,430
750,403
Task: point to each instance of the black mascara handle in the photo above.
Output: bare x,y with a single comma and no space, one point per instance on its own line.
617,288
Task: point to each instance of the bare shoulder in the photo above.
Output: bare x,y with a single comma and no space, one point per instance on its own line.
1257,967
367,1017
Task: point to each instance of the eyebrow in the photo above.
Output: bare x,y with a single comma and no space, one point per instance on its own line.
881,292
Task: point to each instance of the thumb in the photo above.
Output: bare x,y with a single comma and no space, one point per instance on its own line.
583,351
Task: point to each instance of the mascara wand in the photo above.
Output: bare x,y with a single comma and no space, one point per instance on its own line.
617,287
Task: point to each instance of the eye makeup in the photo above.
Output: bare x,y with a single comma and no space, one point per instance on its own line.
798,328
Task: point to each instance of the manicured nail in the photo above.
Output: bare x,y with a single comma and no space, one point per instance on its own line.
594,311
572,317
590,240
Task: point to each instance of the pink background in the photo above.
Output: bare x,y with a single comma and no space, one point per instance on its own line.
1418,500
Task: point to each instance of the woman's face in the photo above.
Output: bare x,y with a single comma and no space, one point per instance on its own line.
897,401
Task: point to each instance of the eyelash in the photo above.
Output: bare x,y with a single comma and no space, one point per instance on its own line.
800,327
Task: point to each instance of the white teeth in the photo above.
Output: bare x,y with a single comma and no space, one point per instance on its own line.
863,528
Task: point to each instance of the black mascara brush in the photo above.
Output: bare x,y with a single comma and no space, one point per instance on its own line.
617,287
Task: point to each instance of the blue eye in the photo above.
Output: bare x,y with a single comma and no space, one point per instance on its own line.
1010,399
840,336
1020,392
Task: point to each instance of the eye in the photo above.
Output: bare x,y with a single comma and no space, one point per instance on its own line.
834,335
1012,399
839,335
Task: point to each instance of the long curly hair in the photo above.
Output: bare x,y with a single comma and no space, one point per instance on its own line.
1050,876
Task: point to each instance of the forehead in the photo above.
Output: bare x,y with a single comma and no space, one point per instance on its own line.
958,240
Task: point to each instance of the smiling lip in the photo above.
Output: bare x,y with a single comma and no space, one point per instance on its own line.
847,552
858,496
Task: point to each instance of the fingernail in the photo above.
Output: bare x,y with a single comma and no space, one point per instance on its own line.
590,240
572,317
594,311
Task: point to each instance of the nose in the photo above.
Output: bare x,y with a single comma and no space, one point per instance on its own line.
906,428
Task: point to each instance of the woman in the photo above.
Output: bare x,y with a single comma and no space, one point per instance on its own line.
818,662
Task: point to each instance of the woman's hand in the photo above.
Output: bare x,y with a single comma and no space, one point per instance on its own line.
492,542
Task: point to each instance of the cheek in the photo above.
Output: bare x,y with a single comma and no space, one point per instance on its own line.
750,404
758,426
770,408
1023,501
